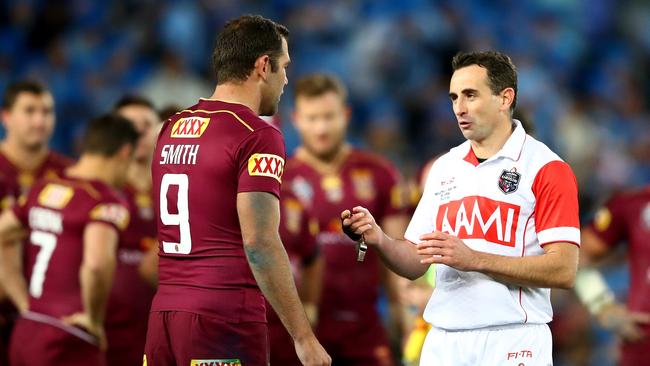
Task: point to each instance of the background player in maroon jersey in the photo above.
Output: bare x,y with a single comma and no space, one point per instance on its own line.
131,294
298,229
623,218
73,225
216,183
327,174
28,119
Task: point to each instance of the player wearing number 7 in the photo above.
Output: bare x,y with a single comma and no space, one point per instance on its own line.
216,180
72,225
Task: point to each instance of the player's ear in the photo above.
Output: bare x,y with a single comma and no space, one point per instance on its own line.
507,98
126,151
263,66
4,114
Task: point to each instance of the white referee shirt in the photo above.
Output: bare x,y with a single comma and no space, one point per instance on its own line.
514,203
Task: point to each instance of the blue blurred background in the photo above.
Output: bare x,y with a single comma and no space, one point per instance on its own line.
583,80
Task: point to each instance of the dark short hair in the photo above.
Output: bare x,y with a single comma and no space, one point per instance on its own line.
501,72
314,85
169,110
107,134
132,99
22,86
241,42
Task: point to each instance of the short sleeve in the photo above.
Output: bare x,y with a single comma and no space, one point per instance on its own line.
556,207
261,162
423,221
115,214
609,223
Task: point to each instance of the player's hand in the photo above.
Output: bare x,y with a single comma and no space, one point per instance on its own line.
82,320
439,247
359,222
311,353
619,319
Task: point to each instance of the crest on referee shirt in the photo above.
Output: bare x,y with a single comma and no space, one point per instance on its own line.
509,180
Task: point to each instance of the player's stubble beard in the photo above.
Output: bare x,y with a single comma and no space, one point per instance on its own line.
328,155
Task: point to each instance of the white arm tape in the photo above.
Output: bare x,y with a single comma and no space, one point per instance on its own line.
592,290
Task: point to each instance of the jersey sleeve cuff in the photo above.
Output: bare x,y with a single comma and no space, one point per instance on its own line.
559,234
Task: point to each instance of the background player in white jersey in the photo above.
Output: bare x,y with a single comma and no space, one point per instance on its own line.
499,218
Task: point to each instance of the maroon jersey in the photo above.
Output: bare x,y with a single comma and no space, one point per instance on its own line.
15,182
626,218
131,295
56,212
204,157
350,288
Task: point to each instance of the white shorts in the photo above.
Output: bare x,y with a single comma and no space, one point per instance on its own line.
512,345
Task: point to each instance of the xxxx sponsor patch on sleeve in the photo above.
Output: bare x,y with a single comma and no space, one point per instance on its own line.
266,165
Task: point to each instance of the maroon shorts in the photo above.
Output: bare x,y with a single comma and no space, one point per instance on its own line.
355,343
126,344
183,338
36,343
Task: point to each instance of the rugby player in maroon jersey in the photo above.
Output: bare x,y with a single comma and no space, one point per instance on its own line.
216,181
137,254
328,175
61,283
624,218
28,118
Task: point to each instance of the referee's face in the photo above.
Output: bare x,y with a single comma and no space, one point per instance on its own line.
475,106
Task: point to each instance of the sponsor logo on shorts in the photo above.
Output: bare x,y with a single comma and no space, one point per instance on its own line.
230,362
144,360
266,165
190,127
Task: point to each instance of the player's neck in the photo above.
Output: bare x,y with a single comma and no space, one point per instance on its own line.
244,93
139,176
22,157
325,164
492,144
93,167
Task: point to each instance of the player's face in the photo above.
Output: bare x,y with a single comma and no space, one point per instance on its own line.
31,119
275,84
321,122
144,119
475,106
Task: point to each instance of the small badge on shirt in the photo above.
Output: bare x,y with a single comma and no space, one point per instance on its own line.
266,165
55,196
230,362
190,127
292,215
114,213
509,180
364,185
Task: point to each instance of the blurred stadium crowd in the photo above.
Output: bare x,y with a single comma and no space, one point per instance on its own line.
583,80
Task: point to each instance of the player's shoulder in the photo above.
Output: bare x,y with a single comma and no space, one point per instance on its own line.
211,115
367,159
58,160
537,154
630,197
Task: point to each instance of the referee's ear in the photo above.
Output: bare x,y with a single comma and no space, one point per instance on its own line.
507,98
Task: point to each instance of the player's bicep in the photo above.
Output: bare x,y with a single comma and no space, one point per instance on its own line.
100,245
259,216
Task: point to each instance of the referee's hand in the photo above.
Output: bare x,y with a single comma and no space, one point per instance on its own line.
360,223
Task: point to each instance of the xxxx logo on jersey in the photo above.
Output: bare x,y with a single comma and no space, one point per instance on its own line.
114,213
477,217
190,127
231,362
266,165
